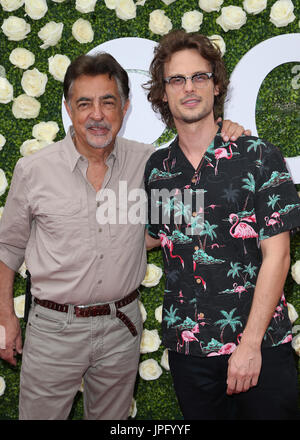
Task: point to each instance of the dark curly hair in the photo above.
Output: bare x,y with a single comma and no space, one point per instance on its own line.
173,42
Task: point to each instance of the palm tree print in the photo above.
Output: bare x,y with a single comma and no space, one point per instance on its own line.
249,185
171,317
228,320
273,199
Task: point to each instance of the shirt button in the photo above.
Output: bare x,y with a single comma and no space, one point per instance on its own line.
98,204
196,248
101,256
194,180
100,229
194,214
198,280
100,282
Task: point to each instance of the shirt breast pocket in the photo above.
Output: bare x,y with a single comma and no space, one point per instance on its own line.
59,231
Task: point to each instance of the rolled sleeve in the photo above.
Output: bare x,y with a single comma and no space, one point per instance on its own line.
15,224
277,204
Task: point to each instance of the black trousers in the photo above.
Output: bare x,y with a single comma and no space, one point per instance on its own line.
200,386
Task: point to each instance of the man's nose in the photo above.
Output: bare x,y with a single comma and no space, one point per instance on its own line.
189,85
97,111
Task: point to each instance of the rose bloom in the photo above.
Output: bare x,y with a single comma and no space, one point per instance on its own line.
218,41
149,369
58,65
34,82
45,131
150,341
3,182
110,4
6,91
2,141
254,6
85,6
159,23
282,13
82,31
15,28
21,58
125,9
133,409
296,344
1,211
143,311
11,5
191,21
26,107
164,362
50,34
2,385
153,276
168,2
292,312
31,146
158,313
22,270
232,17
36,9
295,270
19,305
210,5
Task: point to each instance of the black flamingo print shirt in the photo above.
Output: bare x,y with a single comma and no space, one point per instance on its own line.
210,222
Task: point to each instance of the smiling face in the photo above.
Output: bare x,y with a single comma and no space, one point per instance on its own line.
96,111
189,104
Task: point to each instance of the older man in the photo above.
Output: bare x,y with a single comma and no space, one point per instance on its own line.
85,320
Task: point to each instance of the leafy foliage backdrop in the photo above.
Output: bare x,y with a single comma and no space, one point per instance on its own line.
278,120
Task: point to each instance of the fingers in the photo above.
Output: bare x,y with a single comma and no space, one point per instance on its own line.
240,381
9,355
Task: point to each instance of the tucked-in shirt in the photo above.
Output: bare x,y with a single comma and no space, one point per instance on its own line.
211,250
50,219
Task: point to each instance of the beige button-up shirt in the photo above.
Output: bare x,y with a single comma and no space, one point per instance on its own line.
50,220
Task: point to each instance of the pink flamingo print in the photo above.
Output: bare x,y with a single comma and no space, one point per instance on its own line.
242,230
188,336
222,153
225,349
239,289
276,215
271,222
165,241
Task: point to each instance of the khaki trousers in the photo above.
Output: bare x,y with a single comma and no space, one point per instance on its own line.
60,349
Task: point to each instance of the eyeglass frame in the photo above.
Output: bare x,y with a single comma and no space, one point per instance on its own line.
168,79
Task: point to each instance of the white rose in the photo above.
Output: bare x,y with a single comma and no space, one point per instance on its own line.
3,182
254,6
296,344
21,58
50,34
168,2
58,65
149,369
1,211
45,131
36,9
164,362
6,91
282,13
58,1
293,315
31,146
158,313
26,107
22,270
142,2
125,9
2,385
232,17
191,21
150,341
210,5
159,23
11,5
2,141
19,305
85,6
153,275
15,28
143,311
34,82
110,4
295,270
82,31
218,41
133,409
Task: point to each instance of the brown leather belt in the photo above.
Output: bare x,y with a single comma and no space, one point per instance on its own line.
95,310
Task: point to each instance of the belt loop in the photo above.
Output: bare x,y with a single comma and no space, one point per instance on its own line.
113,310
70,314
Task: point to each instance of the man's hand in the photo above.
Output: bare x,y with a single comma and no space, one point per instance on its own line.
232,130
11,339
244,367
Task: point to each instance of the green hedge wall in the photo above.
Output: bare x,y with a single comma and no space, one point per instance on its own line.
278,116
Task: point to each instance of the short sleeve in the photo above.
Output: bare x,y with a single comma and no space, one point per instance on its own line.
277,204
152,223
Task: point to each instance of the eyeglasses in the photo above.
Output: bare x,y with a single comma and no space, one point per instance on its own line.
199,80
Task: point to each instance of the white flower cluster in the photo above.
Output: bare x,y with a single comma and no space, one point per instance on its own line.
125,9
43,134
